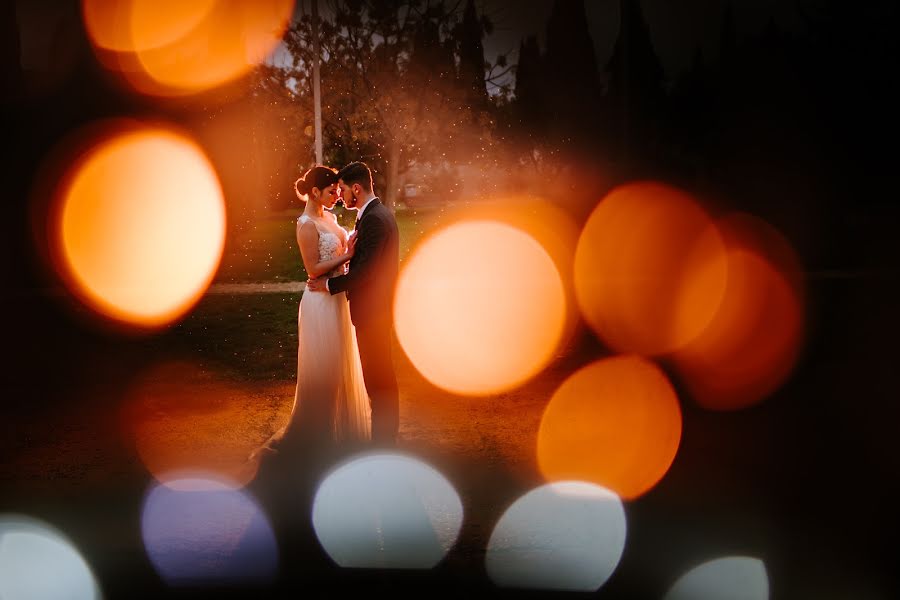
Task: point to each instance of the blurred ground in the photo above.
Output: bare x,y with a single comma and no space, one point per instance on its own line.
804,481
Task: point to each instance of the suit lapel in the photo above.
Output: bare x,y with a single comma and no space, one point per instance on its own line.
369,208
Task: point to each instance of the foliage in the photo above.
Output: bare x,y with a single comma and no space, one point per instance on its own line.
397,84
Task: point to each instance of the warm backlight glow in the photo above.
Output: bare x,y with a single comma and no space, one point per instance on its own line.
480,308
752,344
204,533
562,536
737,577
649,270
615,422
38,563
183,420
386,511
142,227
168,47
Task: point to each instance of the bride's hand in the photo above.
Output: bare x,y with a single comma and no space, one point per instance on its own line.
351,246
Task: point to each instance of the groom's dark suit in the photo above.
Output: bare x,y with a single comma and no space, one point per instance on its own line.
370,285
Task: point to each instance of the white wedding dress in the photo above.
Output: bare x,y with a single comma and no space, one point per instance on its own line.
330,401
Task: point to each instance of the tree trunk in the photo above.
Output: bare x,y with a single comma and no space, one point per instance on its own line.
393,174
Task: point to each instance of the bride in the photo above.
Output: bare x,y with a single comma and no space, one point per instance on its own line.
330,402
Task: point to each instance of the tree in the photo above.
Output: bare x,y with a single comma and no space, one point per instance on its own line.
554,121
390,92
529,107
636,77
558,96
571,83
471,57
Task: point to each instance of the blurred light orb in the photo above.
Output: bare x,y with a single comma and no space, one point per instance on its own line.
38,562
480,308
566,535
733,577
615,422
135,25
386,511
204,533
182,420
552,227
649,270
751,345
142,227
172,48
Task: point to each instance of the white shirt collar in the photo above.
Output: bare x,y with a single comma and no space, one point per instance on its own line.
359,212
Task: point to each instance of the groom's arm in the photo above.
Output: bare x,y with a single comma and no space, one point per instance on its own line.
368,246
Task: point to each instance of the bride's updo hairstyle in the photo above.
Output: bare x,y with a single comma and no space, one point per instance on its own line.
317,177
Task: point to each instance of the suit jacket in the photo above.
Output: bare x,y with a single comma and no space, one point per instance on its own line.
372,274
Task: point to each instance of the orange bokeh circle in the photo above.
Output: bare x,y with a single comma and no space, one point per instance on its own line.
649,269
174,48
754,340
140,227
479,307
551,226
615,422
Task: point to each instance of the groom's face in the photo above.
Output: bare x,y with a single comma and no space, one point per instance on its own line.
347,195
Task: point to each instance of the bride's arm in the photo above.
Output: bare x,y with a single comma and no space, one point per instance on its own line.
308,240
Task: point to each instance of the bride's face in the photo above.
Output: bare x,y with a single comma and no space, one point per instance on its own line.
329,196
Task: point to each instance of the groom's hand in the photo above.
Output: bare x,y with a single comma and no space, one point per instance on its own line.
316,285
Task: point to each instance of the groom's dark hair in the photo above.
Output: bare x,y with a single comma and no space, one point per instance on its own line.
357,172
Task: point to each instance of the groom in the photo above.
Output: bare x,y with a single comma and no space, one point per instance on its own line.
369,284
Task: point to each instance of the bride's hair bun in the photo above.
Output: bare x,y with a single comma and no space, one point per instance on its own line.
301,187
317,177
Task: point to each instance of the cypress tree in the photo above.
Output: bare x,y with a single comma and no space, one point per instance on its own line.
471,56
636,80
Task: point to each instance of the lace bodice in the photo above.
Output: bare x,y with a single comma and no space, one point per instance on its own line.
329,243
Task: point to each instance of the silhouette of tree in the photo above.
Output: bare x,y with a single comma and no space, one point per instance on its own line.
636,83
471,56
529,108
571,79
555,118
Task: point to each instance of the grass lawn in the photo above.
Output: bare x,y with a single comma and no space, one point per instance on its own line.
249,336
253,337
268,250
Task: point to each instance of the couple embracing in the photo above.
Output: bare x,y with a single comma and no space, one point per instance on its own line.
346,386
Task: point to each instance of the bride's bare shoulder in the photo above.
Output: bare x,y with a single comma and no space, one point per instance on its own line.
306,226
303,220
